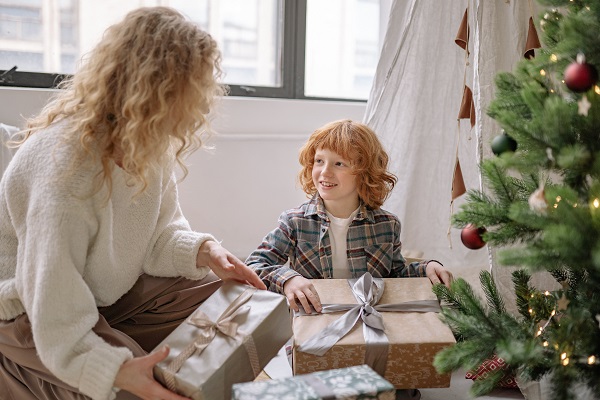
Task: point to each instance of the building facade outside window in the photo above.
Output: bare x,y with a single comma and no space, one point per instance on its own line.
330,51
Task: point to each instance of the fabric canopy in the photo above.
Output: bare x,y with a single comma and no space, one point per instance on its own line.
417,107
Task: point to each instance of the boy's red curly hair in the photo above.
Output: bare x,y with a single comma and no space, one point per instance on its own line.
358,144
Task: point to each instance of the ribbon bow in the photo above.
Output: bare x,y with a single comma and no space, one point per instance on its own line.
209,329
367,291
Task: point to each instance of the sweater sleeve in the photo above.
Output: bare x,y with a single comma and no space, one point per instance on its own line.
176,245
59,303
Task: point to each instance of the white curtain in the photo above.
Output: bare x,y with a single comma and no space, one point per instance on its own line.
414,105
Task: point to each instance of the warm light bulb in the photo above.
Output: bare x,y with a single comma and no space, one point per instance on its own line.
558,199
553,313
597,89
591,360
542,72
563,356
553,57
596,203
530,311
547,293
565,361
545,344
555,205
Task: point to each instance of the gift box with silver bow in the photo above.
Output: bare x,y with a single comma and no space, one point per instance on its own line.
390,324
228,339
353,383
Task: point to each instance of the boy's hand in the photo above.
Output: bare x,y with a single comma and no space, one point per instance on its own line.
438,274
299,289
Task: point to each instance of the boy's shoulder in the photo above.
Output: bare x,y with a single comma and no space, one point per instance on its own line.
380,215
304,210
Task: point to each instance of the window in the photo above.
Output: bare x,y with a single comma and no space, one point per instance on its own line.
271,48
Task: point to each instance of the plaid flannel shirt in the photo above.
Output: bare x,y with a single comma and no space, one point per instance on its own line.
300,245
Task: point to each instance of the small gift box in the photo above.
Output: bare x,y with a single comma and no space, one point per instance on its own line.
358,382
228,339
390,324
493,364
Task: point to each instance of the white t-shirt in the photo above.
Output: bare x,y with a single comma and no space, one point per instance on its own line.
338,236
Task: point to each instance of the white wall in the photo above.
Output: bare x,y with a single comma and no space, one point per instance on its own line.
237,191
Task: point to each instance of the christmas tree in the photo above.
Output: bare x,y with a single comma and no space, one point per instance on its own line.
541,212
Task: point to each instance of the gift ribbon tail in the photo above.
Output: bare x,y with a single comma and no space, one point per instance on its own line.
321,342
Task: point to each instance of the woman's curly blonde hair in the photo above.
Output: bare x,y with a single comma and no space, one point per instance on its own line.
142,93
358,144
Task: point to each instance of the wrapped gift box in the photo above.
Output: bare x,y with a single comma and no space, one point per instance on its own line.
228,339
414,337
358,382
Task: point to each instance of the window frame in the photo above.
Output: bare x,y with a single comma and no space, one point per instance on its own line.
292,65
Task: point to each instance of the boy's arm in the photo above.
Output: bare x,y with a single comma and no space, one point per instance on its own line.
270,259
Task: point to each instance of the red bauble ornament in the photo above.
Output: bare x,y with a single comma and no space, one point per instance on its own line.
580,76
471,237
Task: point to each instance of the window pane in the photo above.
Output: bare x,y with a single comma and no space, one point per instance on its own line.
343,41
51,36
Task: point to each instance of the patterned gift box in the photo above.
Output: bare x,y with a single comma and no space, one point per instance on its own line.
228,339
353,383
414,338
493,364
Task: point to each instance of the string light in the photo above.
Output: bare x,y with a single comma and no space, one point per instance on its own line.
597,89
545,343
596,203
542,72
547,293
565,361
553,58
591,360
558,199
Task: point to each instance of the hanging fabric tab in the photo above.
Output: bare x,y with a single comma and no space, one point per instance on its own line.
458,184
467,107
462,36
532,42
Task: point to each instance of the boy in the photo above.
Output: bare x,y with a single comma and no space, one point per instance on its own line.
341,232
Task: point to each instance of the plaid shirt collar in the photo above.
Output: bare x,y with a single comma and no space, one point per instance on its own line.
316,207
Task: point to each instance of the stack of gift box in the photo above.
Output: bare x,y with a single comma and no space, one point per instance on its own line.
372,337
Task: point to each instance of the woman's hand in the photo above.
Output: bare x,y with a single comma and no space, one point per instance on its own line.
225,265
438,274
300,289
136,377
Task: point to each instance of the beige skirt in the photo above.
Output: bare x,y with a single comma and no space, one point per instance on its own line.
140,320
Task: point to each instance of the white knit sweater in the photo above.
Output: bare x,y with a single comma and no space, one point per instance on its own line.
63,253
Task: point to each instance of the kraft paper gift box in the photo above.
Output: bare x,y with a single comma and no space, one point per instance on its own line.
228,339
403,356
353,383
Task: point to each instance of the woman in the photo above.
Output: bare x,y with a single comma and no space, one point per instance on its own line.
97,263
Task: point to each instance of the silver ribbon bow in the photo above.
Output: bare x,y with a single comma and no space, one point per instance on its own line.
209,329
367,291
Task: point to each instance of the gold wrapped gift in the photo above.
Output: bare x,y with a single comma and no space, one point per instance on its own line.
228,339
413,338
